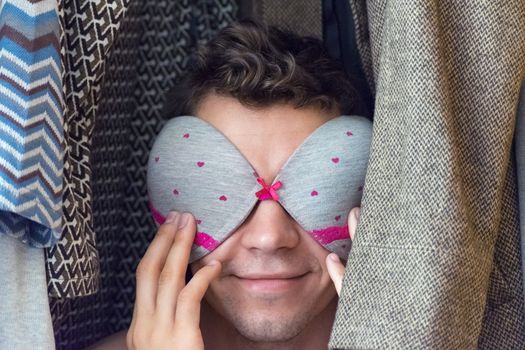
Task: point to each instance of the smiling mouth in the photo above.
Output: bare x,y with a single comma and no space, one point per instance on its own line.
271,283
275,276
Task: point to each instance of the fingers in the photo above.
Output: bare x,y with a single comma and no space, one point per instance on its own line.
160,290
131,328
336,270
151,264
353,220
172,277
189,301
335,267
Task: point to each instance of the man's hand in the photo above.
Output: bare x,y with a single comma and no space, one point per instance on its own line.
167,311
335,267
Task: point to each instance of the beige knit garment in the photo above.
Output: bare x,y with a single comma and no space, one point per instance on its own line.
436,259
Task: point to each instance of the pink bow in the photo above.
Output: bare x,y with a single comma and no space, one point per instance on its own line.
268,192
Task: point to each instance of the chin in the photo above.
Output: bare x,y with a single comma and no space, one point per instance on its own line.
270,313
268,327
269,320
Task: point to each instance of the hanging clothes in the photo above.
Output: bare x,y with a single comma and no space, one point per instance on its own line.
302,17
25,319
149,54
520,163
31,167
81,321
90,28
436,259
31,107
339,37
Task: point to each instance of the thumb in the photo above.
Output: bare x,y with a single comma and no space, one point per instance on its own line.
353,220
336,270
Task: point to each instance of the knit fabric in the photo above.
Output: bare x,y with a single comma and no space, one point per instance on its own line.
520,165
31,122
436,259
25,318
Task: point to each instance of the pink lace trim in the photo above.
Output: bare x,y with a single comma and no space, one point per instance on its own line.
202,239
329,234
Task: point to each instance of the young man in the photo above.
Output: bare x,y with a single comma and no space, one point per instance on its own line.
269,285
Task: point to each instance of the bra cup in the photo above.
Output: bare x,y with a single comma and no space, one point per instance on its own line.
323,180
187,151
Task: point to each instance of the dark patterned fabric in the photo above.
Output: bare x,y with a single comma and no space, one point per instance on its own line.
80,322
303,17
150,52
436,260
520,172
171,31
90,28
339,37
362,37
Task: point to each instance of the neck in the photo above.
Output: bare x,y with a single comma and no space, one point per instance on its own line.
218,333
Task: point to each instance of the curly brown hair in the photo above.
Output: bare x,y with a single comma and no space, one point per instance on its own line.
262,65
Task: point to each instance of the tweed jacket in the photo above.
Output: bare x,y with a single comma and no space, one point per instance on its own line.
436,261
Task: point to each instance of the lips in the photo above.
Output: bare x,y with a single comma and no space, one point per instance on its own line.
272,276
281,283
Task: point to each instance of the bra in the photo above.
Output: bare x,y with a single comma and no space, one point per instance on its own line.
193,167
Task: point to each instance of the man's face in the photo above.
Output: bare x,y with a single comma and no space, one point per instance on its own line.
274,279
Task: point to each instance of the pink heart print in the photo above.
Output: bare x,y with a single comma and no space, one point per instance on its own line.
223,198
335,160
175,192
186,136
200,164
314,193
349,133
337,217
157,159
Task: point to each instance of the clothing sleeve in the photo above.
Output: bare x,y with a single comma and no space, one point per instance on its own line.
89,30
31,122
25,316
435,262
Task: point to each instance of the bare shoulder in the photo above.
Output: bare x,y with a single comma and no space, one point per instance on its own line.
115,341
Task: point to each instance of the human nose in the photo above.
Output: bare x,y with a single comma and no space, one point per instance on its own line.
269,228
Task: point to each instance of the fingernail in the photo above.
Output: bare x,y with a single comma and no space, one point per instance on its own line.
357,213
171,217
184,220
334,257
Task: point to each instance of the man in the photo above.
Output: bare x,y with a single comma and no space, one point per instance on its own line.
268,285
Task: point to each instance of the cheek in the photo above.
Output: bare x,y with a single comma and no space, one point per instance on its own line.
224,252
319,253
230,252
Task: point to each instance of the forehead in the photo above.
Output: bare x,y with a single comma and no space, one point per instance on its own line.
265,136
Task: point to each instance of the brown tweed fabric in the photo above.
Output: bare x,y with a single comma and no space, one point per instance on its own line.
436,259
